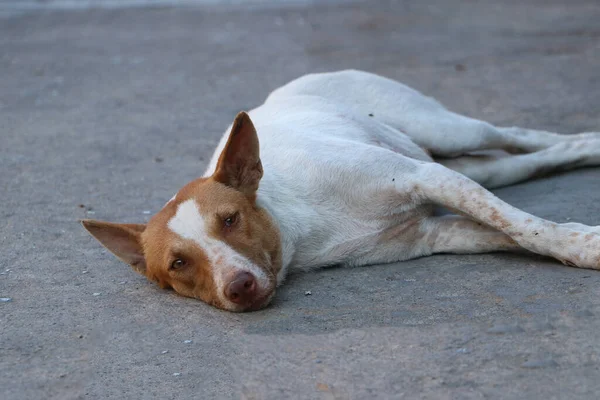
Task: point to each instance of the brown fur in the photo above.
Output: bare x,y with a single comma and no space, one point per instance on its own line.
152,249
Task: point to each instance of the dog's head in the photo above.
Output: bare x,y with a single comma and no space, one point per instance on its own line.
211,241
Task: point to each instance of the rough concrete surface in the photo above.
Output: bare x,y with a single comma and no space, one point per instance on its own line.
105,113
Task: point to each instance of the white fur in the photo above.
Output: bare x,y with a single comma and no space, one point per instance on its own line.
189,223
346,187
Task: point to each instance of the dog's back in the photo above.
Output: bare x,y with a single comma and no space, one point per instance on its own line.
330,114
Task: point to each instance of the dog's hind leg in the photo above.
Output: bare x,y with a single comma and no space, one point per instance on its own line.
447,134
573,244
496,171
531,140
459,135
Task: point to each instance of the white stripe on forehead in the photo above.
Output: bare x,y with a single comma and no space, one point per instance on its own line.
190,224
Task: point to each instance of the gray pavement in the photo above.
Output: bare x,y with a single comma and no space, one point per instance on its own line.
105,113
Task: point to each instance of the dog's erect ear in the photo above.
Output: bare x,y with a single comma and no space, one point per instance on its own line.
123,240
239,164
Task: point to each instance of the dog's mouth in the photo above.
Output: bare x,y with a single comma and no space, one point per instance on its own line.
267,294
258,303
261,302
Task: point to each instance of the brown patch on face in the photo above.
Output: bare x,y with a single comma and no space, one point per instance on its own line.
252,235
574,234
162,247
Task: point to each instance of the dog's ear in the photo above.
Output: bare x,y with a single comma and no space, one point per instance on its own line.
239,164
123,240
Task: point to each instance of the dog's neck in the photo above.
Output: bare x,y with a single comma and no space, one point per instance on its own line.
286,217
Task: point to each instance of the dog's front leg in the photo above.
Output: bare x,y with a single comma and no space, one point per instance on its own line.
573,244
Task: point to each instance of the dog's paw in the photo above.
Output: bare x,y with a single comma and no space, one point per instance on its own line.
579,245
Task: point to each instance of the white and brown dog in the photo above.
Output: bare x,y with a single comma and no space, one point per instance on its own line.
351,176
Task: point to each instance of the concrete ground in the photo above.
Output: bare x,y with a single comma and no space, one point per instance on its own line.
105,113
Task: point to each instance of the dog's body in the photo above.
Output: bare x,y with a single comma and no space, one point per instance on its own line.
351,175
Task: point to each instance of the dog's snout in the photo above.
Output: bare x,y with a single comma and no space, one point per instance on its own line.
242,289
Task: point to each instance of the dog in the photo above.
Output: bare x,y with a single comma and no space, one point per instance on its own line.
347,168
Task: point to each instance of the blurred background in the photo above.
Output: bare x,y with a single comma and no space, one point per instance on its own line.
108,107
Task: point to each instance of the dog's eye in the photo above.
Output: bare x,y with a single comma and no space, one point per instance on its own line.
230,221
177,264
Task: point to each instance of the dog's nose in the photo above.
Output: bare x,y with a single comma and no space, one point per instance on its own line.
242,288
